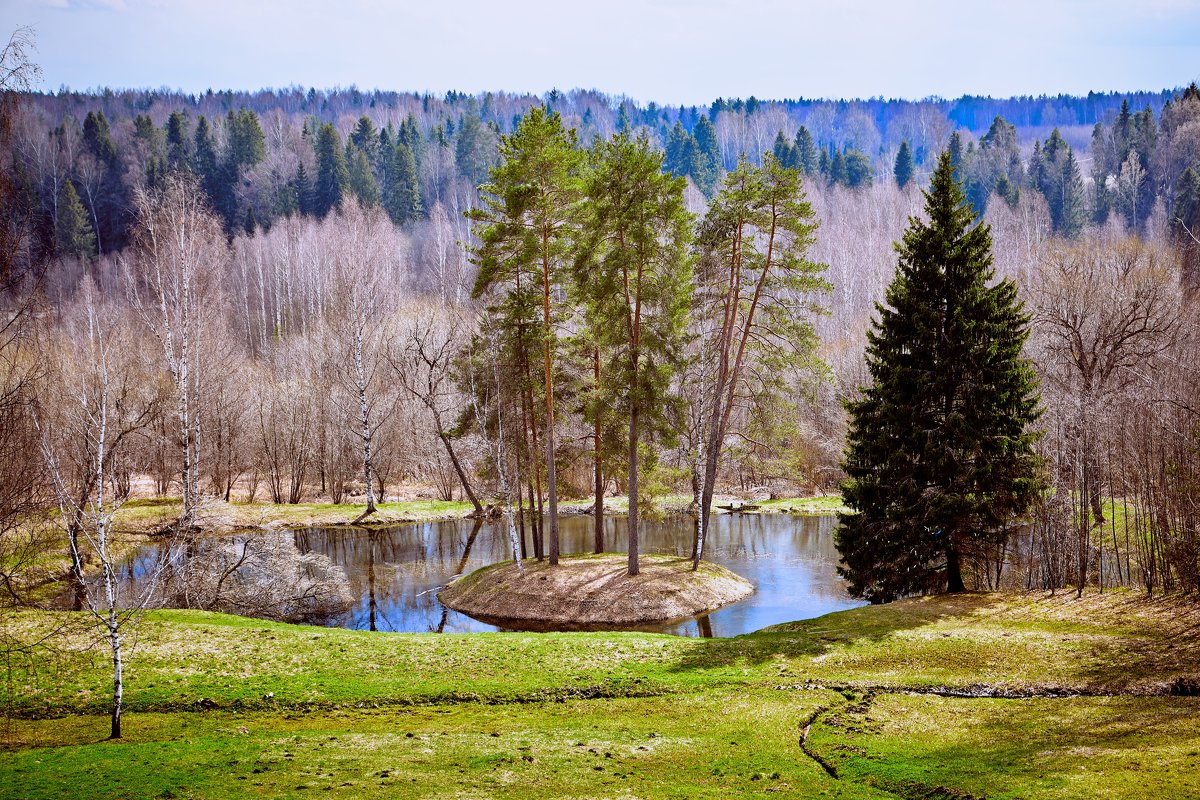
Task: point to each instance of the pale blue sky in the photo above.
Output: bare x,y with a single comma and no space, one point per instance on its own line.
672,51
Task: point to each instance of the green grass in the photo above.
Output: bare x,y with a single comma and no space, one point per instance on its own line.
821,505
1048,748
328,708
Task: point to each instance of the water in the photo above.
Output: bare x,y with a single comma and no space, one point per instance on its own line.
395,573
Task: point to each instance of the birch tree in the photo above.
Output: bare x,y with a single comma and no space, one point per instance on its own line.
172,279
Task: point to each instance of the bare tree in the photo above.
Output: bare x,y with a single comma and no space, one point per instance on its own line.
423,360
1103,312
93,412
172,284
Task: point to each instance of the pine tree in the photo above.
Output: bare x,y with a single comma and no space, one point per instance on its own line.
633,277
526,225
903,170
939,454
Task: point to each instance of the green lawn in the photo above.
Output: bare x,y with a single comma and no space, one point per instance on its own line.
221,706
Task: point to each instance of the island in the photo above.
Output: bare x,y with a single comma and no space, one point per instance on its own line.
593,591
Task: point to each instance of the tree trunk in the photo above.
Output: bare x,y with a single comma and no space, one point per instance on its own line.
598,510
118,680
462,475
954,581
633,490
551,477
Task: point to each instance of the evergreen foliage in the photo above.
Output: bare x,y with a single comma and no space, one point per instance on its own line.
332,174
402,194
708,156
939,454
73,232
633,279
904,167
806,151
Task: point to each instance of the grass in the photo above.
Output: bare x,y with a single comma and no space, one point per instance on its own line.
820,505
223,706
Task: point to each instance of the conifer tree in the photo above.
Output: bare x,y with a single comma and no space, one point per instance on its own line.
527,218
302,187
633,277
332,174
73,232
362,179
939,454
903,170
708,156
402,191
806,151
837,168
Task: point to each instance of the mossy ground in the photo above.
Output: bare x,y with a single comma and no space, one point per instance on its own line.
221,706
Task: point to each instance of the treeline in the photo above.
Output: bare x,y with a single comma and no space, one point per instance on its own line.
77,158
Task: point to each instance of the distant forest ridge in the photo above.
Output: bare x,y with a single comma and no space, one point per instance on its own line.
832,121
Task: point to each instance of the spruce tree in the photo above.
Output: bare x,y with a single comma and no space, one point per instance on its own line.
332,174
939,454
903,169
806,151
73,232
708,156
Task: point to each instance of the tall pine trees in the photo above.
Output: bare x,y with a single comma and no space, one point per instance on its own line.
527,216
634,279
939,453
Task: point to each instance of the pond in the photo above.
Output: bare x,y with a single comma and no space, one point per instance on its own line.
395,573
392,575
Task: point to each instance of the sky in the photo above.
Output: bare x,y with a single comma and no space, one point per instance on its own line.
670,51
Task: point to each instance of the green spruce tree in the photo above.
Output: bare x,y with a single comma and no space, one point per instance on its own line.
73,232
332,174
939,454
806,151
707,169
903,169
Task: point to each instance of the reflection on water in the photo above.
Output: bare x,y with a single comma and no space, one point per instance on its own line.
395,573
